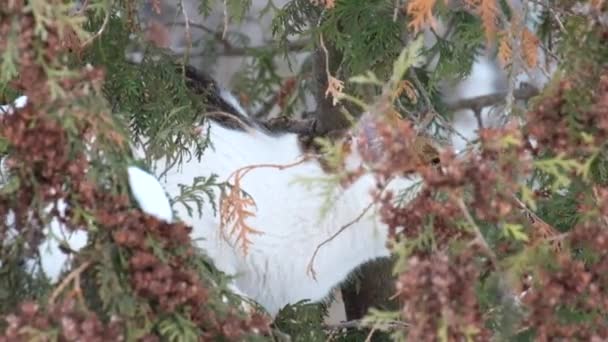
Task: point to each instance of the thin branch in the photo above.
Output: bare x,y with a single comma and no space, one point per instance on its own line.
235,51
326,54
99,32
523,93
479,239
225,29
396,11
431,113
425,95
449,28
267,106
285,124
241,172
67,280
529,211
310,268
359,324
371,333
325,59
188,32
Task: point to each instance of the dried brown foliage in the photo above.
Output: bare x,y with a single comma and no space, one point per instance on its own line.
236,206
530,44
421,12
74,324
481,186
441,300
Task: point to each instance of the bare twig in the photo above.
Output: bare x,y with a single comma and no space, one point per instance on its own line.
326,54
396,10
241,172
326,58
230,50
525,208
225,19
67,280
479,239
425,95
310,268
99,32
285,124
478,102
371,333
358,324
188,32
267,106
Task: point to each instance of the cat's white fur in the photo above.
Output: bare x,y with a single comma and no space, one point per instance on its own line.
274,272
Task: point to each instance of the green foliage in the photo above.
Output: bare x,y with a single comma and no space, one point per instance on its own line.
176,328
302,321
20,283
197,194
456,55
294,18
363,33
151,96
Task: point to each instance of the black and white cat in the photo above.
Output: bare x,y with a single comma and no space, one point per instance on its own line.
274,272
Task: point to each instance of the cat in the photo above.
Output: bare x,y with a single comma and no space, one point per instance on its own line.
278,268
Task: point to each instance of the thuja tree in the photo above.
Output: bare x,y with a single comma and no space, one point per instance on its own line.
507,239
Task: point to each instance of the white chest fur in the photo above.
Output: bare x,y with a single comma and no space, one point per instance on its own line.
274,271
